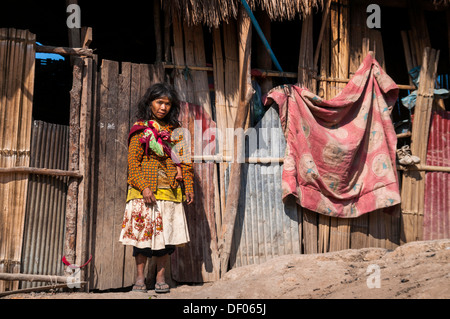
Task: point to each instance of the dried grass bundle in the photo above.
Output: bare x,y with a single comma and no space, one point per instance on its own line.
214,12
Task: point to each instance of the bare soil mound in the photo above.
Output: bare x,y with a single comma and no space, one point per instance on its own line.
414,270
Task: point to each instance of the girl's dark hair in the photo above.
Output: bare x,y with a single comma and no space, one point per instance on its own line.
157,91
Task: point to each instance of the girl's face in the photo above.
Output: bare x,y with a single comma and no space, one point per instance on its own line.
160,107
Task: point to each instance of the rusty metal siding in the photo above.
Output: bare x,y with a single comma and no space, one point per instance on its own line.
265,226
436,223
46,203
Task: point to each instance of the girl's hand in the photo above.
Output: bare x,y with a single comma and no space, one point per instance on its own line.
149,197
189,198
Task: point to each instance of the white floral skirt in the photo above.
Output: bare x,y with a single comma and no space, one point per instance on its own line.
154,226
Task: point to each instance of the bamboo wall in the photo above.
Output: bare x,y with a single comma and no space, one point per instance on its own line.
17,63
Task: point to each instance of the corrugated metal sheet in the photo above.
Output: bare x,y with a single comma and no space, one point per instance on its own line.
46,203
265,226
436,223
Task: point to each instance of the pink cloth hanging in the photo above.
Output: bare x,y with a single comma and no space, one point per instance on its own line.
340,154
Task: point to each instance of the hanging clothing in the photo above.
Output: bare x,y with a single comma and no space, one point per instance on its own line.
340,154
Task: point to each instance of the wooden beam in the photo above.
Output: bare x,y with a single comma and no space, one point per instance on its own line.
428,168
245,95
33,277
33,289
64,50
40,171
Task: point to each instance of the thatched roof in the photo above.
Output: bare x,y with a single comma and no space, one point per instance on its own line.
213,12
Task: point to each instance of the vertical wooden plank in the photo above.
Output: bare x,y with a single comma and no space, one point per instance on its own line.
179,81
201,86
357,33
72,193
123,120
310,240
134,96
263,60
113,220
323,89
305,62
359,229
84,167
339,234
106,249
323,233
99,247
231,77
123,127
377,233
190,76
221,120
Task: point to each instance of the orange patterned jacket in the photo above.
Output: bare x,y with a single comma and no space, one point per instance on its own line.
143,169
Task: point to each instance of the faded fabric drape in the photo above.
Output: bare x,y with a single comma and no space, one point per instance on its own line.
340,155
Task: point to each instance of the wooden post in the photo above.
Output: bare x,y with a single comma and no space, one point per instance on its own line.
245,95
305,61
74,34
74,136
263,59
322,33
157,24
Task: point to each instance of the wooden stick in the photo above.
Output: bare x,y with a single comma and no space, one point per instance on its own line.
64,50
322,31
428,168
40,171
245,95
33,277
190,67
33,289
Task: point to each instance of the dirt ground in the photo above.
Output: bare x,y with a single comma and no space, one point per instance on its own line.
418,270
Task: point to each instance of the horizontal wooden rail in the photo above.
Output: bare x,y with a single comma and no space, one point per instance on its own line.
64,50
32,277
33,289
428,168
40,171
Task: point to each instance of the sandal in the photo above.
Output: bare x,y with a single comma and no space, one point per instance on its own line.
162,287
140,287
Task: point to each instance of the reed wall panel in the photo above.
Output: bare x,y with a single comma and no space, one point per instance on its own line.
17,63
